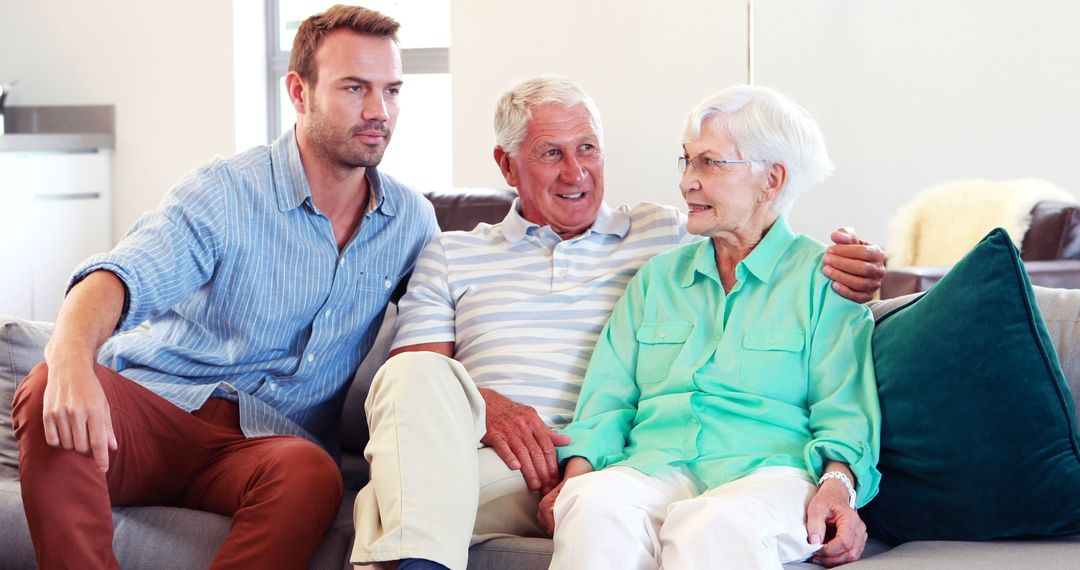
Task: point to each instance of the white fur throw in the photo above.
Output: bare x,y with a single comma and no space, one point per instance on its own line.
943,222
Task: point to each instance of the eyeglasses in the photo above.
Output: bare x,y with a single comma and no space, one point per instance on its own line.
705,164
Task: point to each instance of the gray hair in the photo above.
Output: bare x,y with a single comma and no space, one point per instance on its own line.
767,126
514,109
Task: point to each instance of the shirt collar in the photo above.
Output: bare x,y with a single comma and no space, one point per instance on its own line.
761,263
608,221
291,184
382,201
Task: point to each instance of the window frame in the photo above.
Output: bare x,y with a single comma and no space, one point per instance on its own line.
413,61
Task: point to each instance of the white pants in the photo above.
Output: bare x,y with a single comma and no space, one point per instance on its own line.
620,518
434,490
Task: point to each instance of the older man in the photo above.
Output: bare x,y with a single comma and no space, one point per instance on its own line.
265,277
496,331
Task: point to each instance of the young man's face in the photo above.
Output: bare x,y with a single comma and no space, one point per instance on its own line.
350,111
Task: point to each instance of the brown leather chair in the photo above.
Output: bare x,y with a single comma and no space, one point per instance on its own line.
463,208
1050,250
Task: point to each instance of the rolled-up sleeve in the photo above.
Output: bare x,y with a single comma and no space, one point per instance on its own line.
845,417
170,252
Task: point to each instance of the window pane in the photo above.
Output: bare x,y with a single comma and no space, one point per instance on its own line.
419,153
287,113
424,23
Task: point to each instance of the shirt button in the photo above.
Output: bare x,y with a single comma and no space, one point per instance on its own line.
311,358
387,284
273,388
341,261
328,313
663,334
772,340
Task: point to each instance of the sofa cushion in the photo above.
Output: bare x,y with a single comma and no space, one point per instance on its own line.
1046,553
22,346
1061,311
979,437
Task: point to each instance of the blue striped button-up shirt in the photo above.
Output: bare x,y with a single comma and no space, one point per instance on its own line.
248,297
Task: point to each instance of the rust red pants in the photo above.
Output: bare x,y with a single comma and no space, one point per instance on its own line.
282,492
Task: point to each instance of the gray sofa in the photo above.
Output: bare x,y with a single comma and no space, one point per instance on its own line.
160,537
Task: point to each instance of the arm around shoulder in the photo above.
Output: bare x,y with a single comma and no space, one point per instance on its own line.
856,266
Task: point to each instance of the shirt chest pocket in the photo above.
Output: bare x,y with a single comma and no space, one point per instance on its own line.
658,346
377,281
772,364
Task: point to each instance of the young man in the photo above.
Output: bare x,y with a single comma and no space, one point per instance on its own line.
264,278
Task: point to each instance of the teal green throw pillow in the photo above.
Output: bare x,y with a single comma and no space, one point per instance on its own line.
979,437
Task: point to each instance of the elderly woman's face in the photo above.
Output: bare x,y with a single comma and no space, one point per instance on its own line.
721,198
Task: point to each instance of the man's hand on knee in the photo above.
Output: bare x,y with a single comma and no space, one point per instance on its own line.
522,440
76,414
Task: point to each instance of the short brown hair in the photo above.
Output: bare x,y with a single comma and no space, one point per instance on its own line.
312,30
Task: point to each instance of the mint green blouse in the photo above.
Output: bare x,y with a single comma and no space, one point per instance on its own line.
778,372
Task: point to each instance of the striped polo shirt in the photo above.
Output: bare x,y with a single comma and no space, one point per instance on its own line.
524,307
248,297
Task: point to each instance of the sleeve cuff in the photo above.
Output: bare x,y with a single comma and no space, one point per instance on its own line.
129,319
862,463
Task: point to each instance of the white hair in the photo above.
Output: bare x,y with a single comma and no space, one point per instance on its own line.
514,109
768,127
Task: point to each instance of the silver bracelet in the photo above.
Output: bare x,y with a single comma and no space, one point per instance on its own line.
843,478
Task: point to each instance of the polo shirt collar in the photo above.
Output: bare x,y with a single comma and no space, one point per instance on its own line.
291,183
761,263
609,221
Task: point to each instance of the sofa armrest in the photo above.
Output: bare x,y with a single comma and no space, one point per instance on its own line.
1054,232
1060,274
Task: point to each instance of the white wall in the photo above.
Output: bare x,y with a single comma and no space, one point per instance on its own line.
644,62
914,93
167,66
908,93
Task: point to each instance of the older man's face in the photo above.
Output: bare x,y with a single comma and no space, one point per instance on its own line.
558,170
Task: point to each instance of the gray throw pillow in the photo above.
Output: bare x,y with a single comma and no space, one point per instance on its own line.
22,346
1061,311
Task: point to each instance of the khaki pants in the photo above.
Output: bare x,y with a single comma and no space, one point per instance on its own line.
434,489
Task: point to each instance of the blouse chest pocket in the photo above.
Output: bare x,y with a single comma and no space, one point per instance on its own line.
773,365
658,346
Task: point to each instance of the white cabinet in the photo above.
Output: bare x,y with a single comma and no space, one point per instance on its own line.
55,211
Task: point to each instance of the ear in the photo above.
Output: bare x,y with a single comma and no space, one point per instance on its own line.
506,166
298,90
775,177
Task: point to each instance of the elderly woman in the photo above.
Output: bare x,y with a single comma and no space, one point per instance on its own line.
731,388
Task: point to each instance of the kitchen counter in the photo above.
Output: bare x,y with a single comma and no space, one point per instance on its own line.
69,142
55,202
59,128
